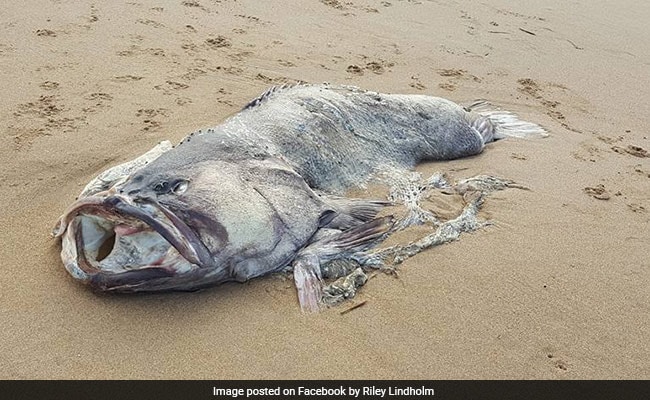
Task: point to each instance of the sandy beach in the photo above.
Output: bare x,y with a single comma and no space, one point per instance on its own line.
556,288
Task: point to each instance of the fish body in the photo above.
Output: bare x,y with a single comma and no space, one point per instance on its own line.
261,191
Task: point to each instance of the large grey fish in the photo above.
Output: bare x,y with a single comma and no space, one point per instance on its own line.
260,192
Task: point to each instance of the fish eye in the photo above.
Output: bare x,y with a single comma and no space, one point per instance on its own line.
161,187
180,187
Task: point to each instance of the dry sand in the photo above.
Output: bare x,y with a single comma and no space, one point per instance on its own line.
557,288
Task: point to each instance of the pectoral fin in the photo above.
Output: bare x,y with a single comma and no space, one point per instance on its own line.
307,265
306,275
352,212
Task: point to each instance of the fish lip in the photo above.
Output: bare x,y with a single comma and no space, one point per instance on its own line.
111,205
125,280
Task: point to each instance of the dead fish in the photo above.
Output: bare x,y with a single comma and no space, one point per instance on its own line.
261,191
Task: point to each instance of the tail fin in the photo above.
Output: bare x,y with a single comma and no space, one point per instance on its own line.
494,124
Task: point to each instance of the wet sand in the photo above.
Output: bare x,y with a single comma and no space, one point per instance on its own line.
556,288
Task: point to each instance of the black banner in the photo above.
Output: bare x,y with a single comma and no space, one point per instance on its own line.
365,390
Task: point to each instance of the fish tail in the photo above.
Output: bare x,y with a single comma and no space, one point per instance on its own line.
494,124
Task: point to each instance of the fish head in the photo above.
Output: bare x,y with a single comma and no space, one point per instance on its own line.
190,226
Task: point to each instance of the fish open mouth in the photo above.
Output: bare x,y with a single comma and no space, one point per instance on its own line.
113,243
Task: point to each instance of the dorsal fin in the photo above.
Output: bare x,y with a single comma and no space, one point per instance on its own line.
269,92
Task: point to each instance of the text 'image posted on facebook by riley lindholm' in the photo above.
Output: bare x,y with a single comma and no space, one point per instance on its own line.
322,391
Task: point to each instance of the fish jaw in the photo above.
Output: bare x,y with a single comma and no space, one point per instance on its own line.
115,244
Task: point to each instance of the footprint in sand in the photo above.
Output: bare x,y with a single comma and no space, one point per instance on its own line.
535,90
44,107
588,152
99,100
94,15
635,151
609,139
598,192
520,16
99,97
416,84
334,4
354,69
183,101
376,67
45,32
194,4
286,63
190,48
558,363
170,87
471,23
447,86
250,18
135,50
149,22
49,85
637,208
639,170
275,81
193,73
127,78
45,116
151,112
218,42
150,124
454,77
